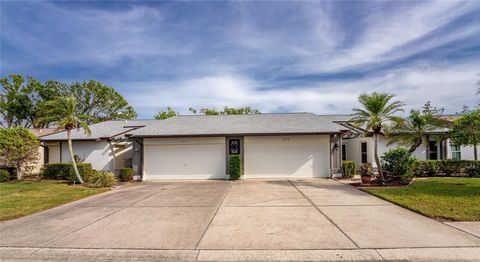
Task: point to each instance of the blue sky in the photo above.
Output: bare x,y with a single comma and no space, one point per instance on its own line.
275,56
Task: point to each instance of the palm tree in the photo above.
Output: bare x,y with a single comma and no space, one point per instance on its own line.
62,112
412,131
377,111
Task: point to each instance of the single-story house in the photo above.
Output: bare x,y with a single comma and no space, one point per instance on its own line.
290,145
198,147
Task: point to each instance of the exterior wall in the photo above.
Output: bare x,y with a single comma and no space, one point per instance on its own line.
184,158
466,152
287,156
96,153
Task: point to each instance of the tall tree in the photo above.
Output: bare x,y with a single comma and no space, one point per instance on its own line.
226,111
465,131
19,149
99,101
165,114
378,111
21,96
413,130
18,101
63,113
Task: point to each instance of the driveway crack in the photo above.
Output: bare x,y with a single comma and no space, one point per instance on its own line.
321,212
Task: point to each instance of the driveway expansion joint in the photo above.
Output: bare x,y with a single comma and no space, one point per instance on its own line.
95,221
214,214
321,212
459,229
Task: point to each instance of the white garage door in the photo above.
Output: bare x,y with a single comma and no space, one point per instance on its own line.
283,157
184,158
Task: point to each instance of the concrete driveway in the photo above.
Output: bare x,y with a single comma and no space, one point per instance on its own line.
311,219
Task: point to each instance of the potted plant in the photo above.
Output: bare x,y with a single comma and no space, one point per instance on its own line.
366,171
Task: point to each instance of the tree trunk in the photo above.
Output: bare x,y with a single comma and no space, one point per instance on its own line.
415,146
72,156
475,153
377,159
19,172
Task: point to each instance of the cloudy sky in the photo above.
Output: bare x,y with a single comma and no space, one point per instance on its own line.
274,56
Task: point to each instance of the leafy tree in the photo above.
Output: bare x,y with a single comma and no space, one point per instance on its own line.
465,131
377,111
226,111
19,149
20,98
165,114
412,131
18,101
63,113
99,101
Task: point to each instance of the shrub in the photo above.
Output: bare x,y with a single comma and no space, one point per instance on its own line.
235,167
473,169
85,170
447,167
101,179
125,174
452,166
399,163
4,176
366,169
426,167
349,168
60,171
64,171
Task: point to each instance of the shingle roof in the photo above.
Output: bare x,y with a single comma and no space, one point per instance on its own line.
201,125
101,130
239,125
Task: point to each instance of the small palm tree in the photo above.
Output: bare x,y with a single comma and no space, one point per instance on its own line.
412,131
62,112
376,113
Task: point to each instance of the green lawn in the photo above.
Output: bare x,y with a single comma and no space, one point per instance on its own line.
451,199
27,197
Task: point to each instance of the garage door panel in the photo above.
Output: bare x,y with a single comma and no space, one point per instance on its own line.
184,161
279,157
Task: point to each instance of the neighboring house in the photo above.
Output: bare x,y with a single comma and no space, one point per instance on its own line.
291,145
358,145
98,147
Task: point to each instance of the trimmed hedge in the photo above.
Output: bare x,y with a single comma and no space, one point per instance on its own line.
4,176
125,174
349,168
235,167
447,167
64,171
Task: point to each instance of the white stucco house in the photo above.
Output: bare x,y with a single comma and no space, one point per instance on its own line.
292,145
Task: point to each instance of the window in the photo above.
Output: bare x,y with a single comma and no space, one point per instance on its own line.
432,150
234,146
456,153
364,152
344,152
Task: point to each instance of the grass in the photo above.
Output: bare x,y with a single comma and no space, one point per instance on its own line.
23,198
445,199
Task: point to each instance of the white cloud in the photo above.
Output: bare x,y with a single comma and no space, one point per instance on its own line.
448,87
